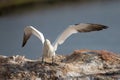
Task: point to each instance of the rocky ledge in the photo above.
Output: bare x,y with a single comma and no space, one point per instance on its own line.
80,65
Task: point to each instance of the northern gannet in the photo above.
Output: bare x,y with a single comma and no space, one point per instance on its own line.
48,48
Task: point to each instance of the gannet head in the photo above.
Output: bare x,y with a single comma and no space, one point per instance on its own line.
47,41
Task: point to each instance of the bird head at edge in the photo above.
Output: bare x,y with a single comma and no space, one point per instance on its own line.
47,41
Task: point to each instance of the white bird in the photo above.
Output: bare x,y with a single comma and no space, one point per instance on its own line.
48,48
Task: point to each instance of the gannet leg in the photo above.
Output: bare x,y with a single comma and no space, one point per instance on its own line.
42,59
53,59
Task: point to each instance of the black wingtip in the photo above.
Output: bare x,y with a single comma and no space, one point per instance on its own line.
105,27
24,40
23,45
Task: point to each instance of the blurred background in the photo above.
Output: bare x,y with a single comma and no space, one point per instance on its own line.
51,17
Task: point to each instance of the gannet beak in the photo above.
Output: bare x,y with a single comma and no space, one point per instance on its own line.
25,38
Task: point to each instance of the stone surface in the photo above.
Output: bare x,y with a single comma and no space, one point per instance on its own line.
80,65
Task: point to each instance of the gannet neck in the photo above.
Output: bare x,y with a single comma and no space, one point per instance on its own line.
47,42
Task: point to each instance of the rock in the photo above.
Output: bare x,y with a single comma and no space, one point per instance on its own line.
80,65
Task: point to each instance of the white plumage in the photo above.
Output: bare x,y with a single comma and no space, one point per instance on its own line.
48,48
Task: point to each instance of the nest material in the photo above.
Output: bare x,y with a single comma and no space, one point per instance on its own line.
81,64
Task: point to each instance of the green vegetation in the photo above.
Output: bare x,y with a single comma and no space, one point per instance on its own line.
9,3
7,6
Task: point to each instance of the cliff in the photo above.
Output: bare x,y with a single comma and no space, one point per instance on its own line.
80,65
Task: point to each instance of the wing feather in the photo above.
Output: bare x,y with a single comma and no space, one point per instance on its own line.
28,31
72,29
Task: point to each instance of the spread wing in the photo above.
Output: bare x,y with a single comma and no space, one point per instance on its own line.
82,27
28,31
